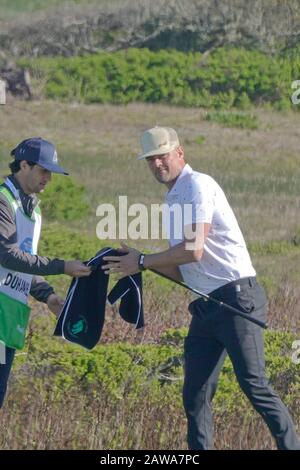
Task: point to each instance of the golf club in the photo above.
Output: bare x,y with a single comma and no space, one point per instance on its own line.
208,297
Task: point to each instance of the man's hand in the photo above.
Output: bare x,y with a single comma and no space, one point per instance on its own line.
55,304
122,265
77,269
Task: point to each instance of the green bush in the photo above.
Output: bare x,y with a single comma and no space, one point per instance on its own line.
227,77
64,243
128,396
61,242
229,119
200,139
125,369
64,199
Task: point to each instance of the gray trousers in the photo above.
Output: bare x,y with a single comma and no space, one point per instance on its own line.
214,333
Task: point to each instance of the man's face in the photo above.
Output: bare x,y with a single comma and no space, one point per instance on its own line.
35,178
166,168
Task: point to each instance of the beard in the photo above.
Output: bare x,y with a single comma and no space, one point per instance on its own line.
162,176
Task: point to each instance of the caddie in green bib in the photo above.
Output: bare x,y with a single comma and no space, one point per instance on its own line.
15,286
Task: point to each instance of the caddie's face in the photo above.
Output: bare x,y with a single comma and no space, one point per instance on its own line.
166,168
36,179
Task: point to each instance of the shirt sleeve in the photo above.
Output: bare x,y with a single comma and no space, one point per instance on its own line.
11,257
40,289
200,202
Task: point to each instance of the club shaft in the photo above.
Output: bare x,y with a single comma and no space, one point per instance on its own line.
211,299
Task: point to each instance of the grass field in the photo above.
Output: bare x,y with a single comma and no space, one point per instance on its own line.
57,396
10,8
258,169
126,393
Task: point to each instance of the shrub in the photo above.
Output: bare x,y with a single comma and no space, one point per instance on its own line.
228,119
62,242
200,139
227,77
122,396
64,199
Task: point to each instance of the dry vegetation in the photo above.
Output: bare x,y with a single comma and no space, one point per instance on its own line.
69,28
259,170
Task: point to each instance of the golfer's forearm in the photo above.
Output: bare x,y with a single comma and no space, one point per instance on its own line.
174,256
172,272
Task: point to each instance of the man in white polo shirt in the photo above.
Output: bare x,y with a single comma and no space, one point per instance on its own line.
208,251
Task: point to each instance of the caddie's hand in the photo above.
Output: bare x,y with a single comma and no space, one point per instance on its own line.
55,303
122,265
77,269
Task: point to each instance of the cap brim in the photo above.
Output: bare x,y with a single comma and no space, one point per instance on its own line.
160,151
53,168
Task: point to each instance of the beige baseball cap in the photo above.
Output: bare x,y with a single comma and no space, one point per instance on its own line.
157,141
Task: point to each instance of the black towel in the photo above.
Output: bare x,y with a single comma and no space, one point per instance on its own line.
83,314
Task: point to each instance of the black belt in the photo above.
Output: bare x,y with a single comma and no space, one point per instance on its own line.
248,281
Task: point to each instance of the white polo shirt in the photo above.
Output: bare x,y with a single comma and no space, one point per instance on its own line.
225,256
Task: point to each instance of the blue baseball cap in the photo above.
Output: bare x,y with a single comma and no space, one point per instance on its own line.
39,151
